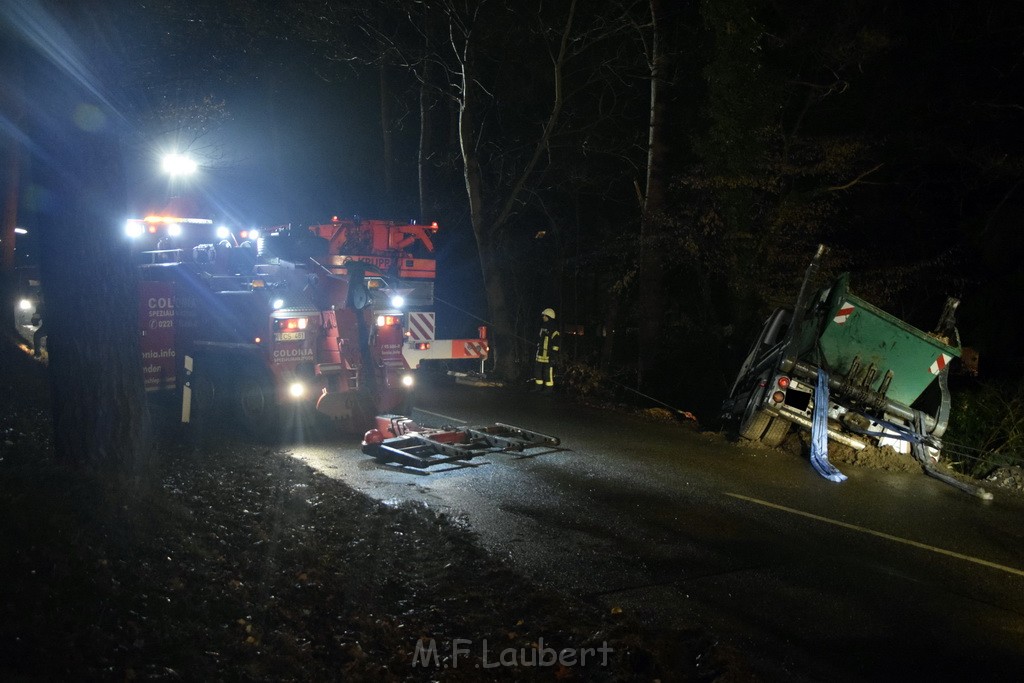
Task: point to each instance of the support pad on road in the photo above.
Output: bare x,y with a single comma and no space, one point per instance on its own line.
399,440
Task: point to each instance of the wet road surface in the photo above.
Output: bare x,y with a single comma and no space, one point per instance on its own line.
889,575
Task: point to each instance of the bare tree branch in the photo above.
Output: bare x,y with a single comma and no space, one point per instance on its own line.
846,186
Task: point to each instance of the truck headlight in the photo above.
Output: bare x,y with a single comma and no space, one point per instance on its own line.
25,305
296,389
407,380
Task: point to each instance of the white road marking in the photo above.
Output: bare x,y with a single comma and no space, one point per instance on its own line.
880,534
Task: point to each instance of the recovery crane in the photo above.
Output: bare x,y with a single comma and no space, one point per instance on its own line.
403,253
254,336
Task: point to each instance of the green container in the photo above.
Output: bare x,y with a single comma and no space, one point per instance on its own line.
854,328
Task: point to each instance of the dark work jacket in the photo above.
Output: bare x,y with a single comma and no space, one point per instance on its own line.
547,345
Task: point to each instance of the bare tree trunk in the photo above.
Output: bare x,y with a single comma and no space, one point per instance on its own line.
651,298
494,282
99,406
386,137
100,415
7,234
424,152
426,144
610,326
488,230
11,193
10,108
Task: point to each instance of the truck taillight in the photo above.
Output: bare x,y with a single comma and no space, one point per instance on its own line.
422,346
388,320
290,324
782,382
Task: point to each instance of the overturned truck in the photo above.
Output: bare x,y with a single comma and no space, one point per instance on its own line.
869,378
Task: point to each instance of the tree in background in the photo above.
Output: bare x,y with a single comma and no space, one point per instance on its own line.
654,206
12,109
769,171
510,91
76,127
690,176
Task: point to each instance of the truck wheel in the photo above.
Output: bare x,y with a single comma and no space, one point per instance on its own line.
776,433
763,427
757,424
754,426
257,408
204,400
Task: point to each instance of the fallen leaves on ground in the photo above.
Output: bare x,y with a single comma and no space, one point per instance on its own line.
235,562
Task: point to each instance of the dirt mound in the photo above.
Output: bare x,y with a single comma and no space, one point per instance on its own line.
876,458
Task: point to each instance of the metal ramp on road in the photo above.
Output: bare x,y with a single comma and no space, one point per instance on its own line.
411,445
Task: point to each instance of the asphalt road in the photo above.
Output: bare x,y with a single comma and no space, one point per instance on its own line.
886,576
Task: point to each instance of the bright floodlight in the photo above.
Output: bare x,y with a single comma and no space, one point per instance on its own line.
179,164
277,303
397,301
223,233
174,229
134,229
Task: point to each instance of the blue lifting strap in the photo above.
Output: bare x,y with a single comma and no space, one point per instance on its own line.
819,433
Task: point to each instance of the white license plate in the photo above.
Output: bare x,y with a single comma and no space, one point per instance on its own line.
289,336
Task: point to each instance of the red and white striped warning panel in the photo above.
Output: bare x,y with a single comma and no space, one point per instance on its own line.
940,363
421,326
843,314
469,348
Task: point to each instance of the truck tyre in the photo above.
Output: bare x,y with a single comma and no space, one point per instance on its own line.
757,424
754,426
204,401
762,426
776,433
256,406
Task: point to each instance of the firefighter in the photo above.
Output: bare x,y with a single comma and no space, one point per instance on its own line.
547,353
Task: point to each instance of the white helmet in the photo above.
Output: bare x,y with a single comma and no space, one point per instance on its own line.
549,312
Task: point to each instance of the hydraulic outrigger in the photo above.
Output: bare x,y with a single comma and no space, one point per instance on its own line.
398,439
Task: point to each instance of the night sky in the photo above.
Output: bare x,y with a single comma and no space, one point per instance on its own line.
295,150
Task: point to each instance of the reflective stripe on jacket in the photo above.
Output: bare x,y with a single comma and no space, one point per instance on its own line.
547,345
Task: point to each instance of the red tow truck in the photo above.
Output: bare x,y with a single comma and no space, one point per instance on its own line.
403,255
237,329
